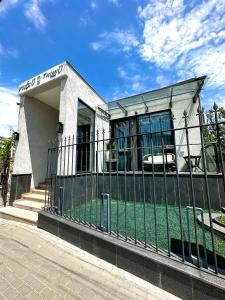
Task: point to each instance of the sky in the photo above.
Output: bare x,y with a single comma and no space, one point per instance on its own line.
121,47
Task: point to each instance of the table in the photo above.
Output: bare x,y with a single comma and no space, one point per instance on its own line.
194,161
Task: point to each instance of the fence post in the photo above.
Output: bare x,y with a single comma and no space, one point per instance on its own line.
104,197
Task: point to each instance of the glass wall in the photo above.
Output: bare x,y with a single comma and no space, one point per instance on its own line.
85,131
152,139
140,135
122,132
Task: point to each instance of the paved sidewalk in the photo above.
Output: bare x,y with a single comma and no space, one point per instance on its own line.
37,265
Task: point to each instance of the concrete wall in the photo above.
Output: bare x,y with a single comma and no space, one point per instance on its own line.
181,279
72,89
180,135
37,122
81,188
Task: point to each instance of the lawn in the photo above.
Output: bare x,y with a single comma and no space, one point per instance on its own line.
90,213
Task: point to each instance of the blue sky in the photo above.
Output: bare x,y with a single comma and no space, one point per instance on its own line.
121,47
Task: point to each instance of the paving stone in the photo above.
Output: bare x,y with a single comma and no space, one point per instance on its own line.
37,265
47,293
19,297
10,293
2,296
4,284
24,289
33,296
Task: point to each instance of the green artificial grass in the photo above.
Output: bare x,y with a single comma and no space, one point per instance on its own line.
90,213
221,219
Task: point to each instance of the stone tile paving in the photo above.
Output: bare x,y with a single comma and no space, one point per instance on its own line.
37,265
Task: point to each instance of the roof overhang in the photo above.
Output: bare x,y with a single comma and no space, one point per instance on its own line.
188,89
44,80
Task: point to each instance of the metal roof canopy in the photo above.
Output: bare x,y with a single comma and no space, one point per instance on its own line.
192,87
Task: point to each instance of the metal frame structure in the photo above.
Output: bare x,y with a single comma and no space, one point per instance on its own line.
79,196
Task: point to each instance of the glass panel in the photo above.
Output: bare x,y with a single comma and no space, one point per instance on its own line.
85,129
150,127
180,91
122,140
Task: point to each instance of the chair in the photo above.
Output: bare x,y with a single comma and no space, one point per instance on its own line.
159,159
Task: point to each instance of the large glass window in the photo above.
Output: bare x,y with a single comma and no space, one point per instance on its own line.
85,130
140,135
155,133
122,132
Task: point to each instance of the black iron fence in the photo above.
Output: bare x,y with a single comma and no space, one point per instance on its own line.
166,195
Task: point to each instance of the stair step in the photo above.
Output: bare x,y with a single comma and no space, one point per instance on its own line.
33,197
42,186
19,215
28,205
39,191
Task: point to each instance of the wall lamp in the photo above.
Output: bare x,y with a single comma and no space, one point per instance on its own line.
59,127
15,135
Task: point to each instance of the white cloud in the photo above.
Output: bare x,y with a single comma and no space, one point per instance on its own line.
14,53
35,15
93,4
8,110
132,79
7,4
122,73
189,40
32,10
1,49
116,41
114,2
205,61
162,80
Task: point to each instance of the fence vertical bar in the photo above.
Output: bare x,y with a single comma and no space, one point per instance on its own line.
110,179
192,187
81,169
125,185
134,186
153,183
143,183
96,207
117,181
68,165
179,196
64,177
165,185
200,114
60,176
91,171
46,188
72,211
86,172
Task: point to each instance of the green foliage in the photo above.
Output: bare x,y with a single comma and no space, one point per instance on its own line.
212,132
5,148
221,219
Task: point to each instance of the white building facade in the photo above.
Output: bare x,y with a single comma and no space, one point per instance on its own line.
59,103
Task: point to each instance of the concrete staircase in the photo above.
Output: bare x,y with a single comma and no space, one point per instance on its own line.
25,209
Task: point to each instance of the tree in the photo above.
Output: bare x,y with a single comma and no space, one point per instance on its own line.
214,132
6,146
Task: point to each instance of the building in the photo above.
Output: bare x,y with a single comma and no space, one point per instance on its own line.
134,169
60,103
